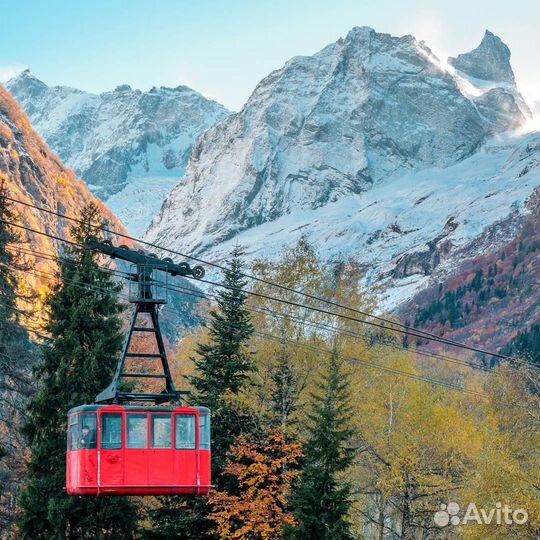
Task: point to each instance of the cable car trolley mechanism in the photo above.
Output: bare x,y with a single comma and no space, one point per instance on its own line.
115,448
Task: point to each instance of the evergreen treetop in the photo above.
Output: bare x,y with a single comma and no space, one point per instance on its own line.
223,365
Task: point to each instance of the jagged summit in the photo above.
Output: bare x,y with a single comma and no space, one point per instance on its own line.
361,33
123,88
363,109
490,61
130,146
25,78
25,74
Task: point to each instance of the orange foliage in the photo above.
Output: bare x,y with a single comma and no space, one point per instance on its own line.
265,471
35,175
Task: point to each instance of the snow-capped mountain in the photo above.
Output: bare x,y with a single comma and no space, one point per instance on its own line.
35,175
372,148
490,61
130,147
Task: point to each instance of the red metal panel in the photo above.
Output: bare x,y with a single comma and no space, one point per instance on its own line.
186,468
136,467
111,468
205,471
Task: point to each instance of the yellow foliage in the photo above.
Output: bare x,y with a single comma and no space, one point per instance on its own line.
418,445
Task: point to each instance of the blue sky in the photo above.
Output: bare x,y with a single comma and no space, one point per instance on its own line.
224,47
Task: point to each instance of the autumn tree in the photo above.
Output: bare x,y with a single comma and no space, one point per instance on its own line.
416,443
288,362
78,362
507,470
264,470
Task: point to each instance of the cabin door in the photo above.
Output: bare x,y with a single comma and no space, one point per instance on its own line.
136,453
111,453
161,463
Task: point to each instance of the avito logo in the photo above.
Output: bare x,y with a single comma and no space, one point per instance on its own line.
499,515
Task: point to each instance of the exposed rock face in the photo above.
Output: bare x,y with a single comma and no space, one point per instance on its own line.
36,175
490,61
124,142
425,261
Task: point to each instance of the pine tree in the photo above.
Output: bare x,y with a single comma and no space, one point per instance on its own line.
321,501
16,356
85,339
223,368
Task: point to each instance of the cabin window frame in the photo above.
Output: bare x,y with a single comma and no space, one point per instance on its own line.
193,441
73,432
161,416
129,417
81,425
205,432
106,445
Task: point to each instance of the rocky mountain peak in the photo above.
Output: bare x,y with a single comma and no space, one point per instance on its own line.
123,88
131,147
360,33
364,109
27,82
370,148
490,61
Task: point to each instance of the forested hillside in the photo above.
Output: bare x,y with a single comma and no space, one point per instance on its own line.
491,299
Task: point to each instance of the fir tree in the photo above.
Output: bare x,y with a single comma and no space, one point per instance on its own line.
321,501
223,368
85,339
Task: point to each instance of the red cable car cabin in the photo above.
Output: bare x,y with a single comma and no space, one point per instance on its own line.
130,450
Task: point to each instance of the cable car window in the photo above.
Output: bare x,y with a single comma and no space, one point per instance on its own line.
204,431
111,431
185,432
72,435
137,431
87,430
161,431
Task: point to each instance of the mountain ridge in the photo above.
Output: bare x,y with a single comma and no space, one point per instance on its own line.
37,176
326,144
128,145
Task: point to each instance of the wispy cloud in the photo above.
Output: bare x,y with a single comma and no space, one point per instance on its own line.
7,72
